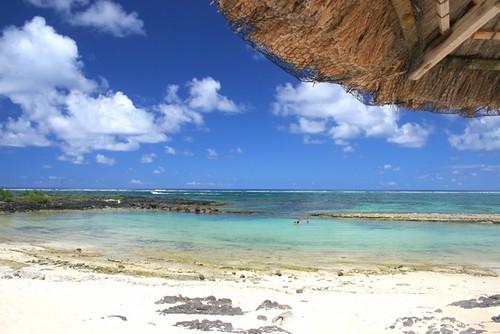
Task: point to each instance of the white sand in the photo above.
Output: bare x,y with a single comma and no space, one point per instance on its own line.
45,299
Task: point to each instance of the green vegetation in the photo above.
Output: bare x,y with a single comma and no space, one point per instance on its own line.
36,196
6,195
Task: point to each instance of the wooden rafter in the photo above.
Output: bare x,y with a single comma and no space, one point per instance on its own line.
463,29
406,17
487,34
443,13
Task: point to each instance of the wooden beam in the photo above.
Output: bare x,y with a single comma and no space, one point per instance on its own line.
443,13
474,64
471,22
407,21
487,34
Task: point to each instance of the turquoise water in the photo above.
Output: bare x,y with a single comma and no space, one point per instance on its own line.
321,243
286,203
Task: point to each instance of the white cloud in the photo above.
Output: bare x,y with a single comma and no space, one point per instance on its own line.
308,126
193,183
41,73
58,5
327,110
212,154
389,167
159,170
148,158
103,15
170,150
480,134
109,17
479,167
104,160
135,181
237,150
204,96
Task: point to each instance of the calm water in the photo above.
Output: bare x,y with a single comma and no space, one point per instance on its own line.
272,237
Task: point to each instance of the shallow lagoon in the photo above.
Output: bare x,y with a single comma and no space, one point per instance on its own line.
233,239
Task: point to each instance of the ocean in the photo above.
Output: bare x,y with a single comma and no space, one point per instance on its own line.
270,238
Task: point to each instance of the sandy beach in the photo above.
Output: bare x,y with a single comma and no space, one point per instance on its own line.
52,297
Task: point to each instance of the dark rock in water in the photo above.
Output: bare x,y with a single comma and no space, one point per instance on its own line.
268,305
481,302
7,277
121,317
299,291
340,273
496,318
78,250
262,317
206,325
201,277
242,276
207,305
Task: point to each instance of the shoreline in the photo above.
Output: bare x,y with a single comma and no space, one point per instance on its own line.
35,293
193,266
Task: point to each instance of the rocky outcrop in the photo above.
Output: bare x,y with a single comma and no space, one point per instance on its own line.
69,202
206,305
481,302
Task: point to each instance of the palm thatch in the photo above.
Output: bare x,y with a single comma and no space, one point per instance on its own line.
379,49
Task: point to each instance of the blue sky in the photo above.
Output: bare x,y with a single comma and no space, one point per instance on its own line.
127,94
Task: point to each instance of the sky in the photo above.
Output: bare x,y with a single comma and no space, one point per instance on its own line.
136,94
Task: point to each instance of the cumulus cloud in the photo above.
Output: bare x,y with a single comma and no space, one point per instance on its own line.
159,170
58,5
212,154
148,158
170,150
135,182
389,167
204,96
104,160
41,72
480,134
326,110
103,15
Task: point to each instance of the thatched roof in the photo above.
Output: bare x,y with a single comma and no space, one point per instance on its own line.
436,55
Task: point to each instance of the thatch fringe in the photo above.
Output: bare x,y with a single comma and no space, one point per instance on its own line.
358,44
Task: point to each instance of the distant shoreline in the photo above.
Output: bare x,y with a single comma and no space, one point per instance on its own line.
483,218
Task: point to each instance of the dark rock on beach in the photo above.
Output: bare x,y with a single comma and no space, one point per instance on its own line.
206,325
268,305
264,330
496,318
121,317
481,302
207,305
226,327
